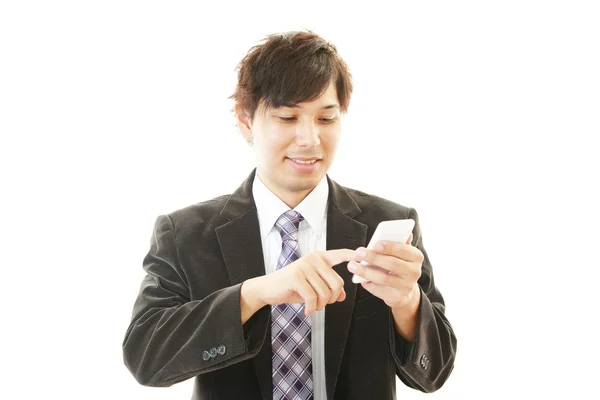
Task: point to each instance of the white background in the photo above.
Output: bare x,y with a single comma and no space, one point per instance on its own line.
482,115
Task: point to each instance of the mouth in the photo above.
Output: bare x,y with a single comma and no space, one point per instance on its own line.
304,161
304,165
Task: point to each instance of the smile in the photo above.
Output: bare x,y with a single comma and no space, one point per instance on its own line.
304,162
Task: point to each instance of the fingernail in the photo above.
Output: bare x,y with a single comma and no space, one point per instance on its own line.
378,247
352,266
361,251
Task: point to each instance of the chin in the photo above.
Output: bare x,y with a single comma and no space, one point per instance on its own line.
302,183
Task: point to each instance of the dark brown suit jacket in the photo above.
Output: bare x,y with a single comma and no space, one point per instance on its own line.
187,319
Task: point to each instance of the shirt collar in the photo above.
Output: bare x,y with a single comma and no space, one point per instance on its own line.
270,207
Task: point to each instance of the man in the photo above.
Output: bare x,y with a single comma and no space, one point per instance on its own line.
252,293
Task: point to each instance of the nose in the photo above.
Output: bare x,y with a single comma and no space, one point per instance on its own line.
307,135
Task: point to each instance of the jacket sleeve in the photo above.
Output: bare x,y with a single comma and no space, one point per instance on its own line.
171,338
426,363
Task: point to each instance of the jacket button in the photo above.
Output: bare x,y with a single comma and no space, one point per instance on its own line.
221,350
424,362
213,352
205,356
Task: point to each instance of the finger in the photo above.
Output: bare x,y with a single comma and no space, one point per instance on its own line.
388,294
319,286
402,251
305,290
375,275
335,257
383,292
410,239
332,279
387,262
408,270
342,295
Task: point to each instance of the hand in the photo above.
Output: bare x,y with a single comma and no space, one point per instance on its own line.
309,280
393,272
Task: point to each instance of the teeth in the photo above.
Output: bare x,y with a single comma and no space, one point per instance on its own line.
305,162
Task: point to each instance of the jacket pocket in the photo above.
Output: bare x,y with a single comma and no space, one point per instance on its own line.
367,306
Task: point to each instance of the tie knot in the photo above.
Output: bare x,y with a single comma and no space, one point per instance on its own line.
287,225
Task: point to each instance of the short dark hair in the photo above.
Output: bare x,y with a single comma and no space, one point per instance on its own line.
291,68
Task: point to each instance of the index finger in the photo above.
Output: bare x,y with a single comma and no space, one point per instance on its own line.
335,257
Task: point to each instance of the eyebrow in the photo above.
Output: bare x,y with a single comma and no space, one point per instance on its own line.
327,107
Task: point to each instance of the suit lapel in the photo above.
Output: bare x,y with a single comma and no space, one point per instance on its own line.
342,232
239,238
242,251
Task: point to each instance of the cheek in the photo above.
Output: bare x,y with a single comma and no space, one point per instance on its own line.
277,140
330,142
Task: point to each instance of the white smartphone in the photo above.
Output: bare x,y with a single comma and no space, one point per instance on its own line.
397,230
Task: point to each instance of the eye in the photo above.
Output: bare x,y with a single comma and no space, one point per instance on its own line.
291,119
287,119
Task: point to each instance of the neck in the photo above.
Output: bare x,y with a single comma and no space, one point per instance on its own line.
293,200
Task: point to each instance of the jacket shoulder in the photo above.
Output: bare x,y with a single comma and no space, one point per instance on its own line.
378,208
197,218
204,208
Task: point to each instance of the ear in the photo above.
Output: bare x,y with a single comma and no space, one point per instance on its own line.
243,122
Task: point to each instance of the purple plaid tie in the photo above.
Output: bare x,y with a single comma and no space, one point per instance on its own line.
290,328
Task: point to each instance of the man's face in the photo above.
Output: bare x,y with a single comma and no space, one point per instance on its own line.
295,146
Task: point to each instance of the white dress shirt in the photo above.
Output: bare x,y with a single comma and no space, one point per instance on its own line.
311,237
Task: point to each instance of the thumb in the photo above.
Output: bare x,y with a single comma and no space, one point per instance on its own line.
410,239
